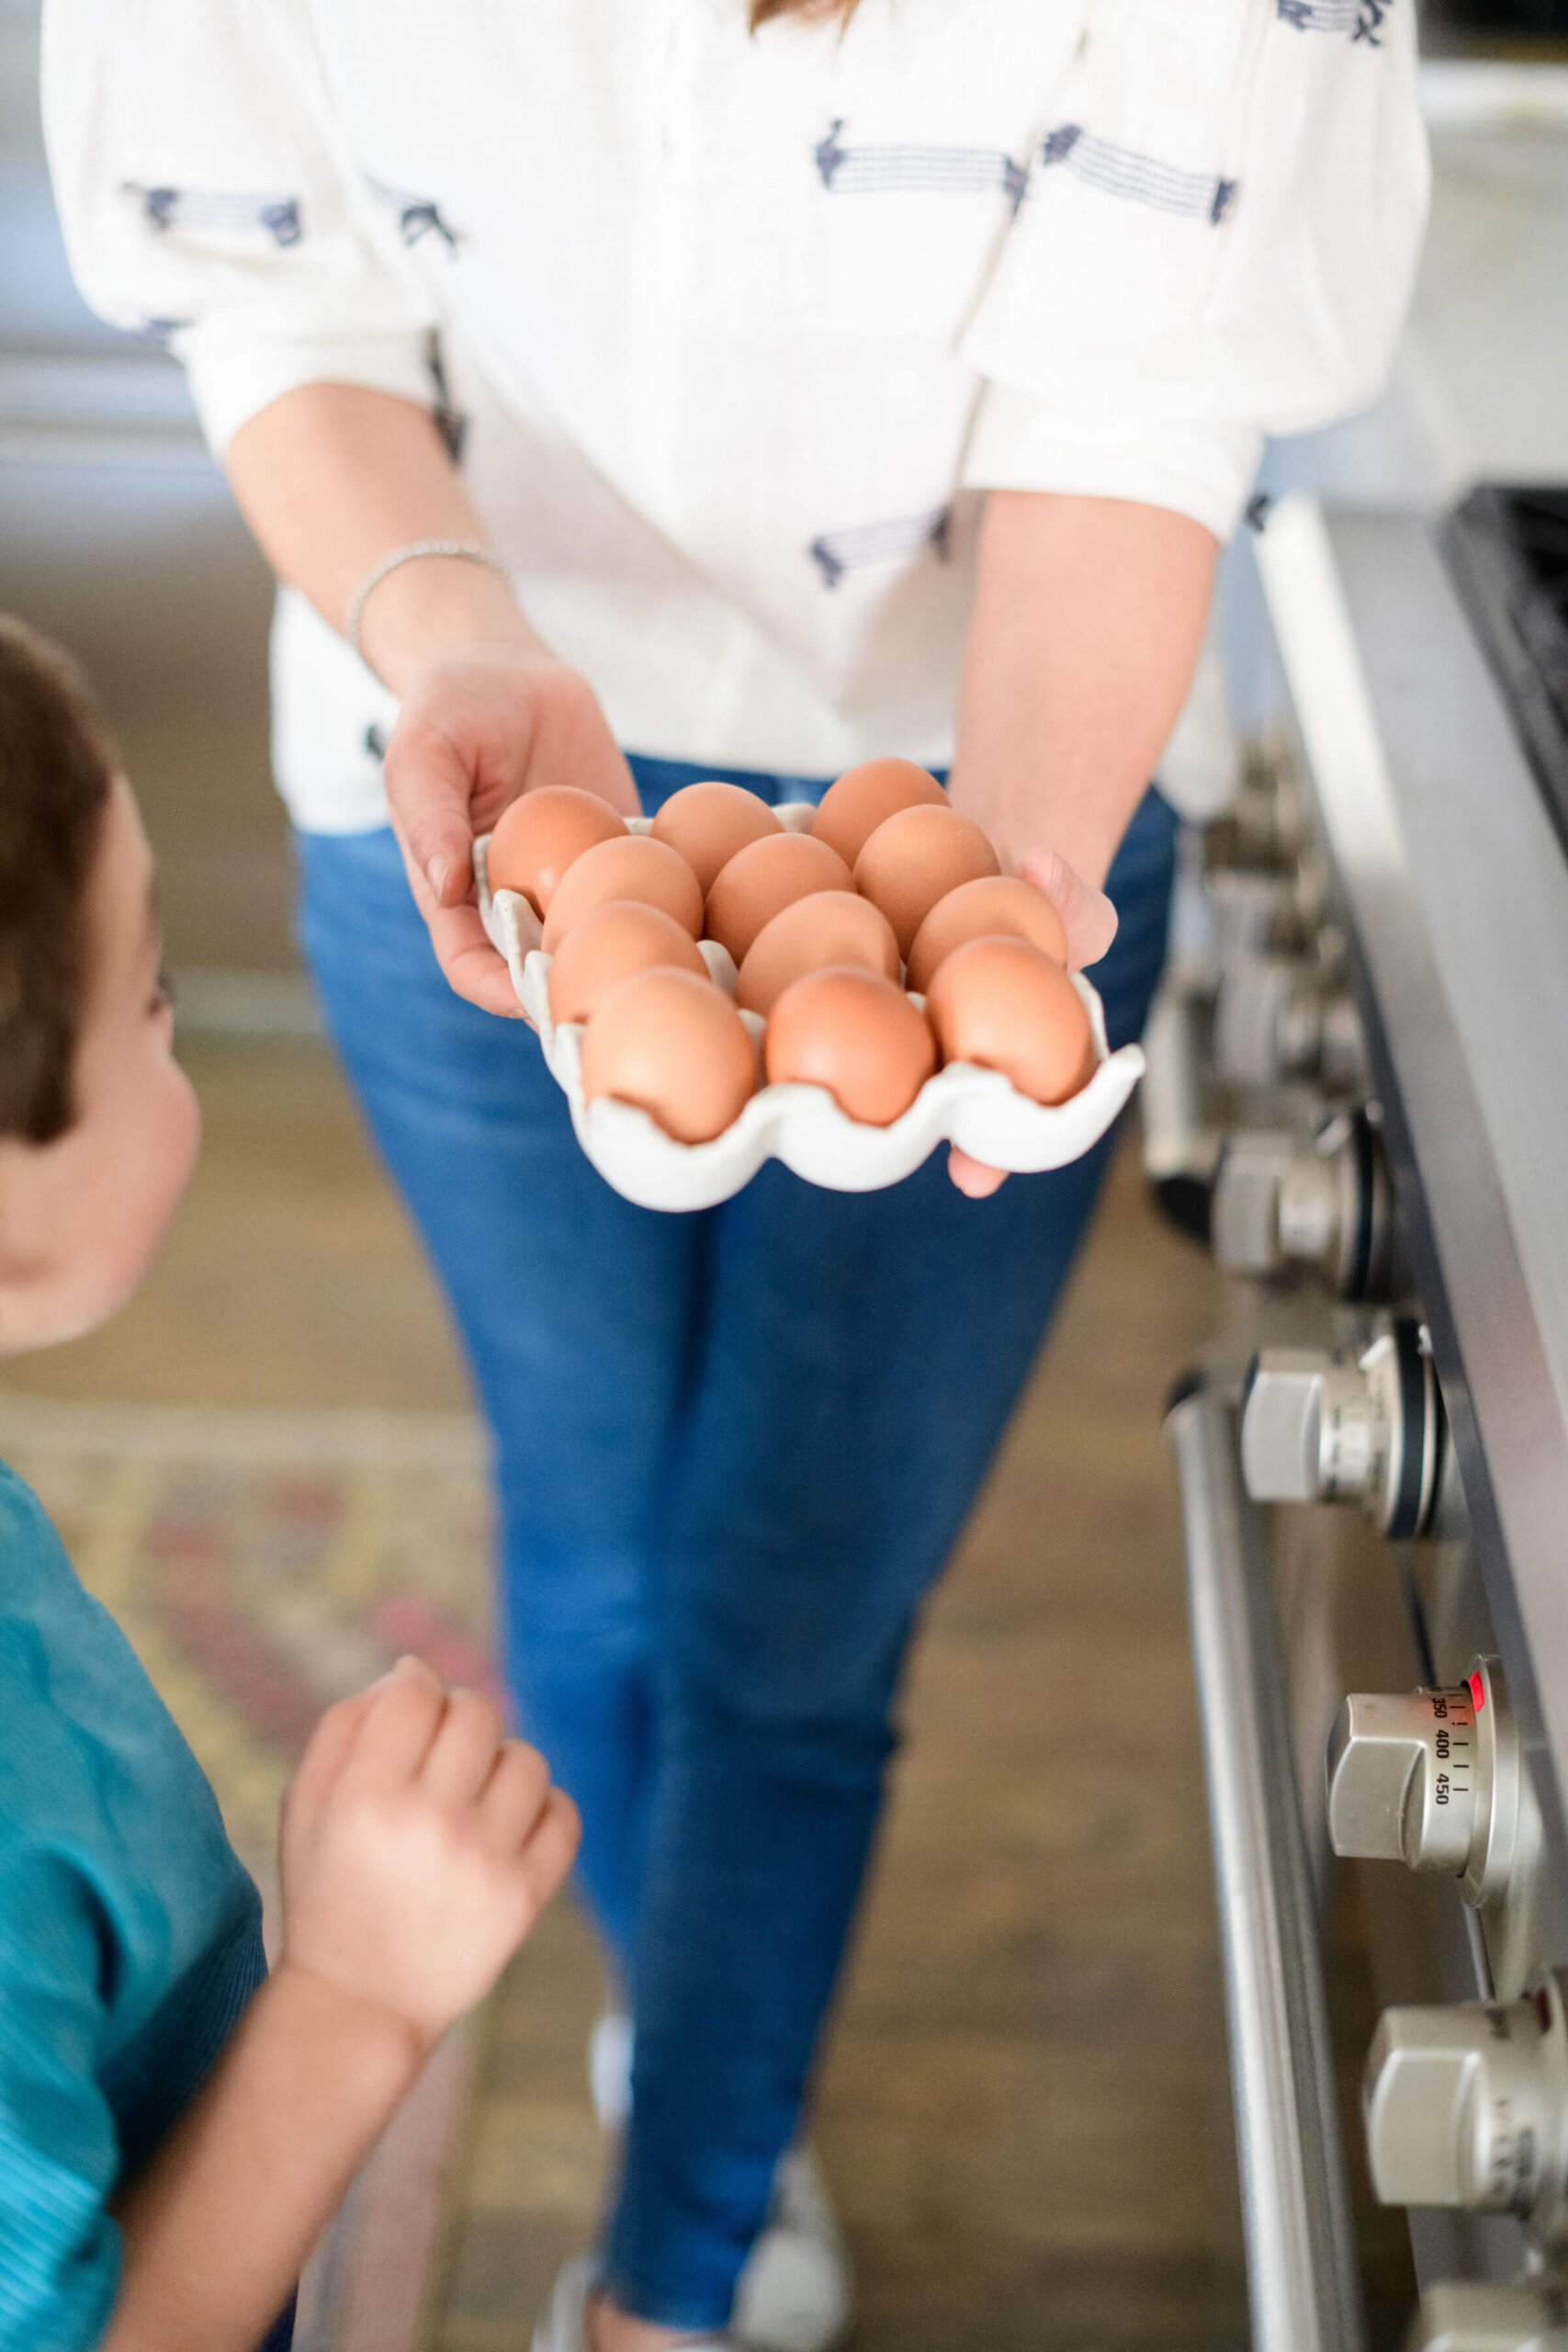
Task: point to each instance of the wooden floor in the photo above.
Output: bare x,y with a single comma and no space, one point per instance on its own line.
1024,2111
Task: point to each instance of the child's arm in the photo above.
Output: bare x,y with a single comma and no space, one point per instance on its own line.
417,1848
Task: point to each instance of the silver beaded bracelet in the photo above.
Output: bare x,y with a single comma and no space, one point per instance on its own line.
465,552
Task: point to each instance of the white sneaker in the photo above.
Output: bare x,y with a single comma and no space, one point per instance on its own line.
564,2327
794,2293
610,2069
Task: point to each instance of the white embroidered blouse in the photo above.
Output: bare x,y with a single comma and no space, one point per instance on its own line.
732,332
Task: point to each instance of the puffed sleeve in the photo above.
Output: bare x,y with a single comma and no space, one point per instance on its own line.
1217,242
206,199
59,2249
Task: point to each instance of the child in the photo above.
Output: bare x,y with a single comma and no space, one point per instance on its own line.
174,2131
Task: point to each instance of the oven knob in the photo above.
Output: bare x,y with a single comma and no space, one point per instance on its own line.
1468,2106
1277,1019
1250,912
1261,914
1180,1146
1460,2316
1243,1211
1430,1779
1277,1205
1263,1016
1254,912
1320,1428
1264,825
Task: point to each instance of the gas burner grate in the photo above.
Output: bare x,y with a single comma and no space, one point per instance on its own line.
1509,549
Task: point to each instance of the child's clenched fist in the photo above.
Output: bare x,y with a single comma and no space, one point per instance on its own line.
419,1845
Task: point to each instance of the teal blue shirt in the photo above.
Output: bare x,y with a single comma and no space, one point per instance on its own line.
129,1934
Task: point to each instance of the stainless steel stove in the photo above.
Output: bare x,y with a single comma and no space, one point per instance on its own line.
1359,1098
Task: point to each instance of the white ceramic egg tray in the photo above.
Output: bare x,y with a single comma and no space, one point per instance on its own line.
977,1109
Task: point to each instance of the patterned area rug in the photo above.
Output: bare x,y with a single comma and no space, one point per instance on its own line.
264,1565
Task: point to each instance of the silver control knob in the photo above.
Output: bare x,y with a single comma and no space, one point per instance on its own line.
1276,1019
1251,913
1279,1206
1468,2106
1264,825
1460,2316
1254,914
1320,1428
1430,1779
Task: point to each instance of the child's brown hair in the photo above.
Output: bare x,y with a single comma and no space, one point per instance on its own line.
56,765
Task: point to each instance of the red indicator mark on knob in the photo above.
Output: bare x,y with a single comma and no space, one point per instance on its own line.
1477,1692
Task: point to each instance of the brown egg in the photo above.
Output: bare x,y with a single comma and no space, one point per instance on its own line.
543,832
610,944
830,927
863,797
675,1046
917,857
763,878
855,1033
1008,1006
999,905
708,822
633,867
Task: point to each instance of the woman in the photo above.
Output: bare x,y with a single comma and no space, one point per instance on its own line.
853,380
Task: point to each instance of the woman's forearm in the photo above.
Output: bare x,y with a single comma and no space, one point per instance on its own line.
1088,620
217,2228
332,479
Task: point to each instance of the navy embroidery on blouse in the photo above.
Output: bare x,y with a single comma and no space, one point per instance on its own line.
183,207
1362,19
449,421
418,216
918,170
1138,178
836,552
161,332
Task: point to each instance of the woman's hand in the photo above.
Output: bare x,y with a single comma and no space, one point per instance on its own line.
1089,921
334,478
1024,835
476,728
1088,614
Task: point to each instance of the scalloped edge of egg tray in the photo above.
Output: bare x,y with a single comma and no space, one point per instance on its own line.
977,1109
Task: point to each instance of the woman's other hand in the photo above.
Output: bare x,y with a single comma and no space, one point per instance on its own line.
334,480
1087,916
1089,921
476,728
1088,615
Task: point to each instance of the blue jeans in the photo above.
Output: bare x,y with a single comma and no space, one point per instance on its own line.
280,2338
733,1451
